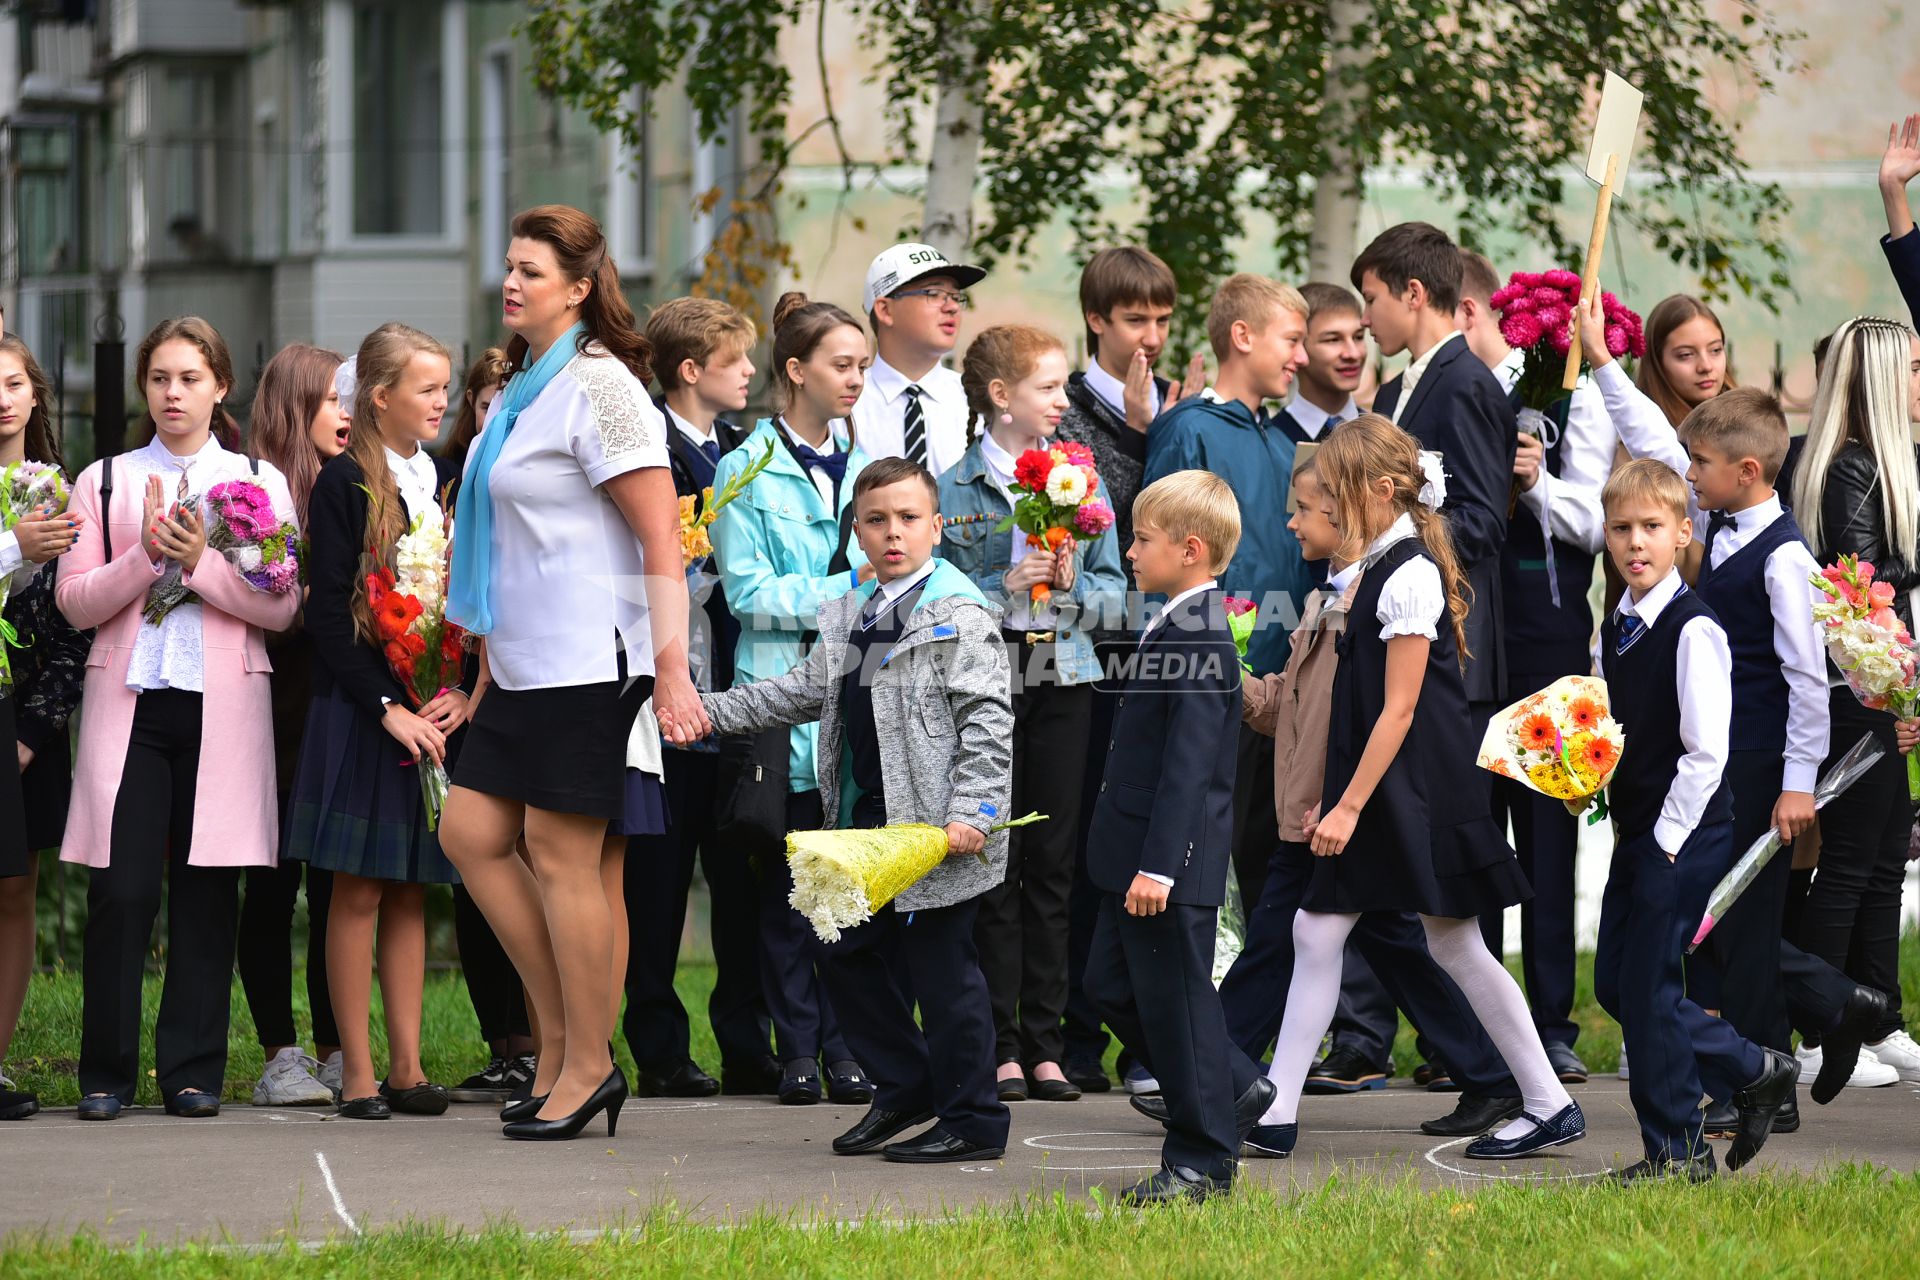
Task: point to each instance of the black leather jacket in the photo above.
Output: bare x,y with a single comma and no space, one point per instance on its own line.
1852,522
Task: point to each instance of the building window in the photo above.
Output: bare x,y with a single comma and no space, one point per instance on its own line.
496,163
399,119
631,212
197,173
48,197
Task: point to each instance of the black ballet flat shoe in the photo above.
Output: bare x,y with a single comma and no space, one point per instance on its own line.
847,1084
193,1104
1473,1116
876,1129
940,1146
1251,1105
524,1109
371,1107
1271,1141
1568,1124
1045,1090
1012,1088
682,1079
609,1097
105,1106
1175,1184
1840,1045
423,1099
800,1082
16,1105
1757,1105
1699,1169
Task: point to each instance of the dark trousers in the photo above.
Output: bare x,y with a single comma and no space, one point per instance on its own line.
1546,838
1083,1035
493,984
1254,994
1023,924
1153,978
151,838
265,951
1366,1019
944,1064
1851,917
1256,816
805,1024
1737,969
659,875
1648,914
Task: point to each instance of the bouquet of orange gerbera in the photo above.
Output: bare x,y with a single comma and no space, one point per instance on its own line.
1562,742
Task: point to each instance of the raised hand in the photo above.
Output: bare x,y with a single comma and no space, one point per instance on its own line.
1193,384
1137,394
1901,163
153,504
44,535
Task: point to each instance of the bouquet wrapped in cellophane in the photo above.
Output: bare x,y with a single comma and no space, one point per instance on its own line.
25,488
1869,644
840,878
1846,771
1562,742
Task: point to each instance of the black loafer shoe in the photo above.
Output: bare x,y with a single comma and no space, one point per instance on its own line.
938,1146
1787,1118
750,1078
1089,1077
193,1104
1840,1045
1699,1169
423,1099
1473,1116
876,1129
800,1082
15,1105
1045,1090
1721,1120
1344,1070
1175,1184
1566,1064
847,1084
1566,1125
682,1079
1757,1104
1271,1141
1423,1074
105,1107
371,1107
1151,1105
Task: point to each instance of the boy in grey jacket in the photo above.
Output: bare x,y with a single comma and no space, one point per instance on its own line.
910,685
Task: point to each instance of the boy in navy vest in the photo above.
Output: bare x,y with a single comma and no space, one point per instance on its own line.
1670,679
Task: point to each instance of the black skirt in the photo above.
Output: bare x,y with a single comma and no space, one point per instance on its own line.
562,749
16,851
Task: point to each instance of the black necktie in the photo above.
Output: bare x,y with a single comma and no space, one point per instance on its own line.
834,464
712,449
916,427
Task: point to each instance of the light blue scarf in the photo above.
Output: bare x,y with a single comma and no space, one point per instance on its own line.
470,583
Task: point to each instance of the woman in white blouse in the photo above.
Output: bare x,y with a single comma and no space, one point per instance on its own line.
568,502
175,775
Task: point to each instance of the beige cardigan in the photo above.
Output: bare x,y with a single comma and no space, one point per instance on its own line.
1295,706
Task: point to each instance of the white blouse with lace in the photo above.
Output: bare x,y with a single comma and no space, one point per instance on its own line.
1413,600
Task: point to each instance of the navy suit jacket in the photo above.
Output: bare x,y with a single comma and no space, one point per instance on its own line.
1460,410
1166,798
683,456
1903,255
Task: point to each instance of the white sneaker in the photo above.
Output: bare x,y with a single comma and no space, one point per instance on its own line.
289,1081
332,1071
1899,1052
1868,1073
1139,1080
1623,1060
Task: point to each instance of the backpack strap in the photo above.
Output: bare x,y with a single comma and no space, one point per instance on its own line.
106,507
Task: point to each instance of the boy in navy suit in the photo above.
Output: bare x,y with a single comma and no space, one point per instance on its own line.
1161,842
1670,676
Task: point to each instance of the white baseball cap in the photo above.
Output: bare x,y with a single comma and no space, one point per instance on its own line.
902,264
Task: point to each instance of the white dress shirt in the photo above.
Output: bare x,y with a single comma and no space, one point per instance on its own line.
1703,682
1021,616
416,480
1789,572
695,435
821,480
1413,598
889,593
1567,503
1209,585
1114,391
1313,419
879,416
1414,372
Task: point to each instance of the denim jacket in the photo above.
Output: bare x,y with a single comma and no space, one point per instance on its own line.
973,543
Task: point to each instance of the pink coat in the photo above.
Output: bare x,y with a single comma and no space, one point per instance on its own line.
235,811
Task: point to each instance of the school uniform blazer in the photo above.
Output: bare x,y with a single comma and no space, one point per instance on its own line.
1459,410
1166,799
1903,256
235,813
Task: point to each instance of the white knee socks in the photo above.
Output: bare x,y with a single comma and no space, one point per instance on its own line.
1319,942
1502,1009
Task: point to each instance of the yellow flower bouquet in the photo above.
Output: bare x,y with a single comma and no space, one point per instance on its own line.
1562,742
840,878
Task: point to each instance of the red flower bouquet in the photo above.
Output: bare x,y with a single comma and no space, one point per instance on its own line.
423,649
1536,316
1059,498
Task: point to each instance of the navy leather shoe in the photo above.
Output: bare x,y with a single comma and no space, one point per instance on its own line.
104,1107
1271,1141
1563,1126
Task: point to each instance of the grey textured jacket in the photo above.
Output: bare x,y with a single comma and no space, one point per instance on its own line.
940,707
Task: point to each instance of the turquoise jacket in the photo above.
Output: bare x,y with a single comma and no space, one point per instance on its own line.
772,545
972,542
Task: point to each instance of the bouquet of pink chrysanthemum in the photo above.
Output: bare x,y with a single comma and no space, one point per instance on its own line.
242,526
1869,644
1536,316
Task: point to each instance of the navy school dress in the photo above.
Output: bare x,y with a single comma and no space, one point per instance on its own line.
1426,840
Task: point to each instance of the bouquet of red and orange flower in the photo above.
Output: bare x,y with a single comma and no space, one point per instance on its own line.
1060,498
423,649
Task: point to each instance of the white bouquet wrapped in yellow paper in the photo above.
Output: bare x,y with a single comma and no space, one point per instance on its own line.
840,878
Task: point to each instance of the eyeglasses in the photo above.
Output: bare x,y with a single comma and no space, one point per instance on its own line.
944,297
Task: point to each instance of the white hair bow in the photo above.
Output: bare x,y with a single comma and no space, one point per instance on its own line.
1434,491
346,381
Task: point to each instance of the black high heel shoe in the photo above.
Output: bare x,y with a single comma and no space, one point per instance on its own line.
609,1097
524,1109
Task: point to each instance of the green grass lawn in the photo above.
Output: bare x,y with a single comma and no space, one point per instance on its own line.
1736,1227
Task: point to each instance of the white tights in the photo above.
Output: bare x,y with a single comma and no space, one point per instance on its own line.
1319,940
